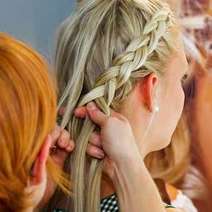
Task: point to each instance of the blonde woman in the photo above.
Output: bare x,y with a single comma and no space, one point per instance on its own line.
125,55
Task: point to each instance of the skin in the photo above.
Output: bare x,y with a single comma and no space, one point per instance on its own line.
118,160
38,180
166,93
65,145
42,188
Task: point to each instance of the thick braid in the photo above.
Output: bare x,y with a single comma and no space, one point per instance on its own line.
133,59
104,93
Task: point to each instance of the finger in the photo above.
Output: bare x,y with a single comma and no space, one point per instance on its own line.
80,112
95,152
70,146
55,134
64,139
95,114
59,157
95,139
62,111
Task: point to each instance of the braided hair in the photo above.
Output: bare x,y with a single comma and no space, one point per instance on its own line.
101,52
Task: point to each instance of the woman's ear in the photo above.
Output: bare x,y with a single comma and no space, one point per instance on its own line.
39,168
148,88
38,180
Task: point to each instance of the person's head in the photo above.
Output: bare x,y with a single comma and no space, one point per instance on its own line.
127,55
27,116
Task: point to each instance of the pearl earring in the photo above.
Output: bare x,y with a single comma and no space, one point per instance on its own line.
156,109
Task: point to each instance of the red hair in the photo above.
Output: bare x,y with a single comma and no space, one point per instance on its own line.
27,115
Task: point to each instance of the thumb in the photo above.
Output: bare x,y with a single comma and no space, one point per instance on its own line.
97,116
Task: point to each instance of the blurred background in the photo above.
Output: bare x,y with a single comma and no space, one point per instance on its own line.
34,21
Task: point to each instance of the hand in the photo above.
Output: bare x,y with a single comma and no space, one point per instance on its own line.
123,162
115,138
61,146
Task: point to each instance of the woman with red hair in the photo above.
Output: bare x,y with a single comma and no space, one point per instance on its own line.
27,116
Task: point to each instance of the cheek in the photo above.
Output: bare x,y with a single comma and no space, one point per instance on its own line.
174,101
173,110
177,103
180,101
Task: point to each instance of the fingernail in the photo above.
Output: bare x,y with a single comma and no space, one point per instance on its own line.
100,154
91,106
71,147
77,111
62,142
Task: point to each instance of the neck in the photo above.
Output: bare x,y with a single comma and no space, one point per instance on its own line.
107,187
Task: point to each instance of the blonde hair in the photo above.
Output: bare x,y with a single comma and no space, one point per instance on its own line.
101,52
27,115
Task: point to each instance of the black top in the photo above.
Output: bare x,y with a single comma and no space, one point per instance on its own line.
108,204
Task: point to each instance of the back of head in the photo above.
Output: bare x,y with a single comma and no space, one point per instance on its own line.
27,115
125,38
102,51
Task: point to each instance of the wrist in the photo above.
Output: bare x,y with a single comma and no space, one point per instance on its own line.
129,158
135,187
129,170
131,162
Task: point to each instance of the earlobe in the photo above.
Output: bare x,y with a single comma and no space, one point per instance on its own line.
156,109
156,101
